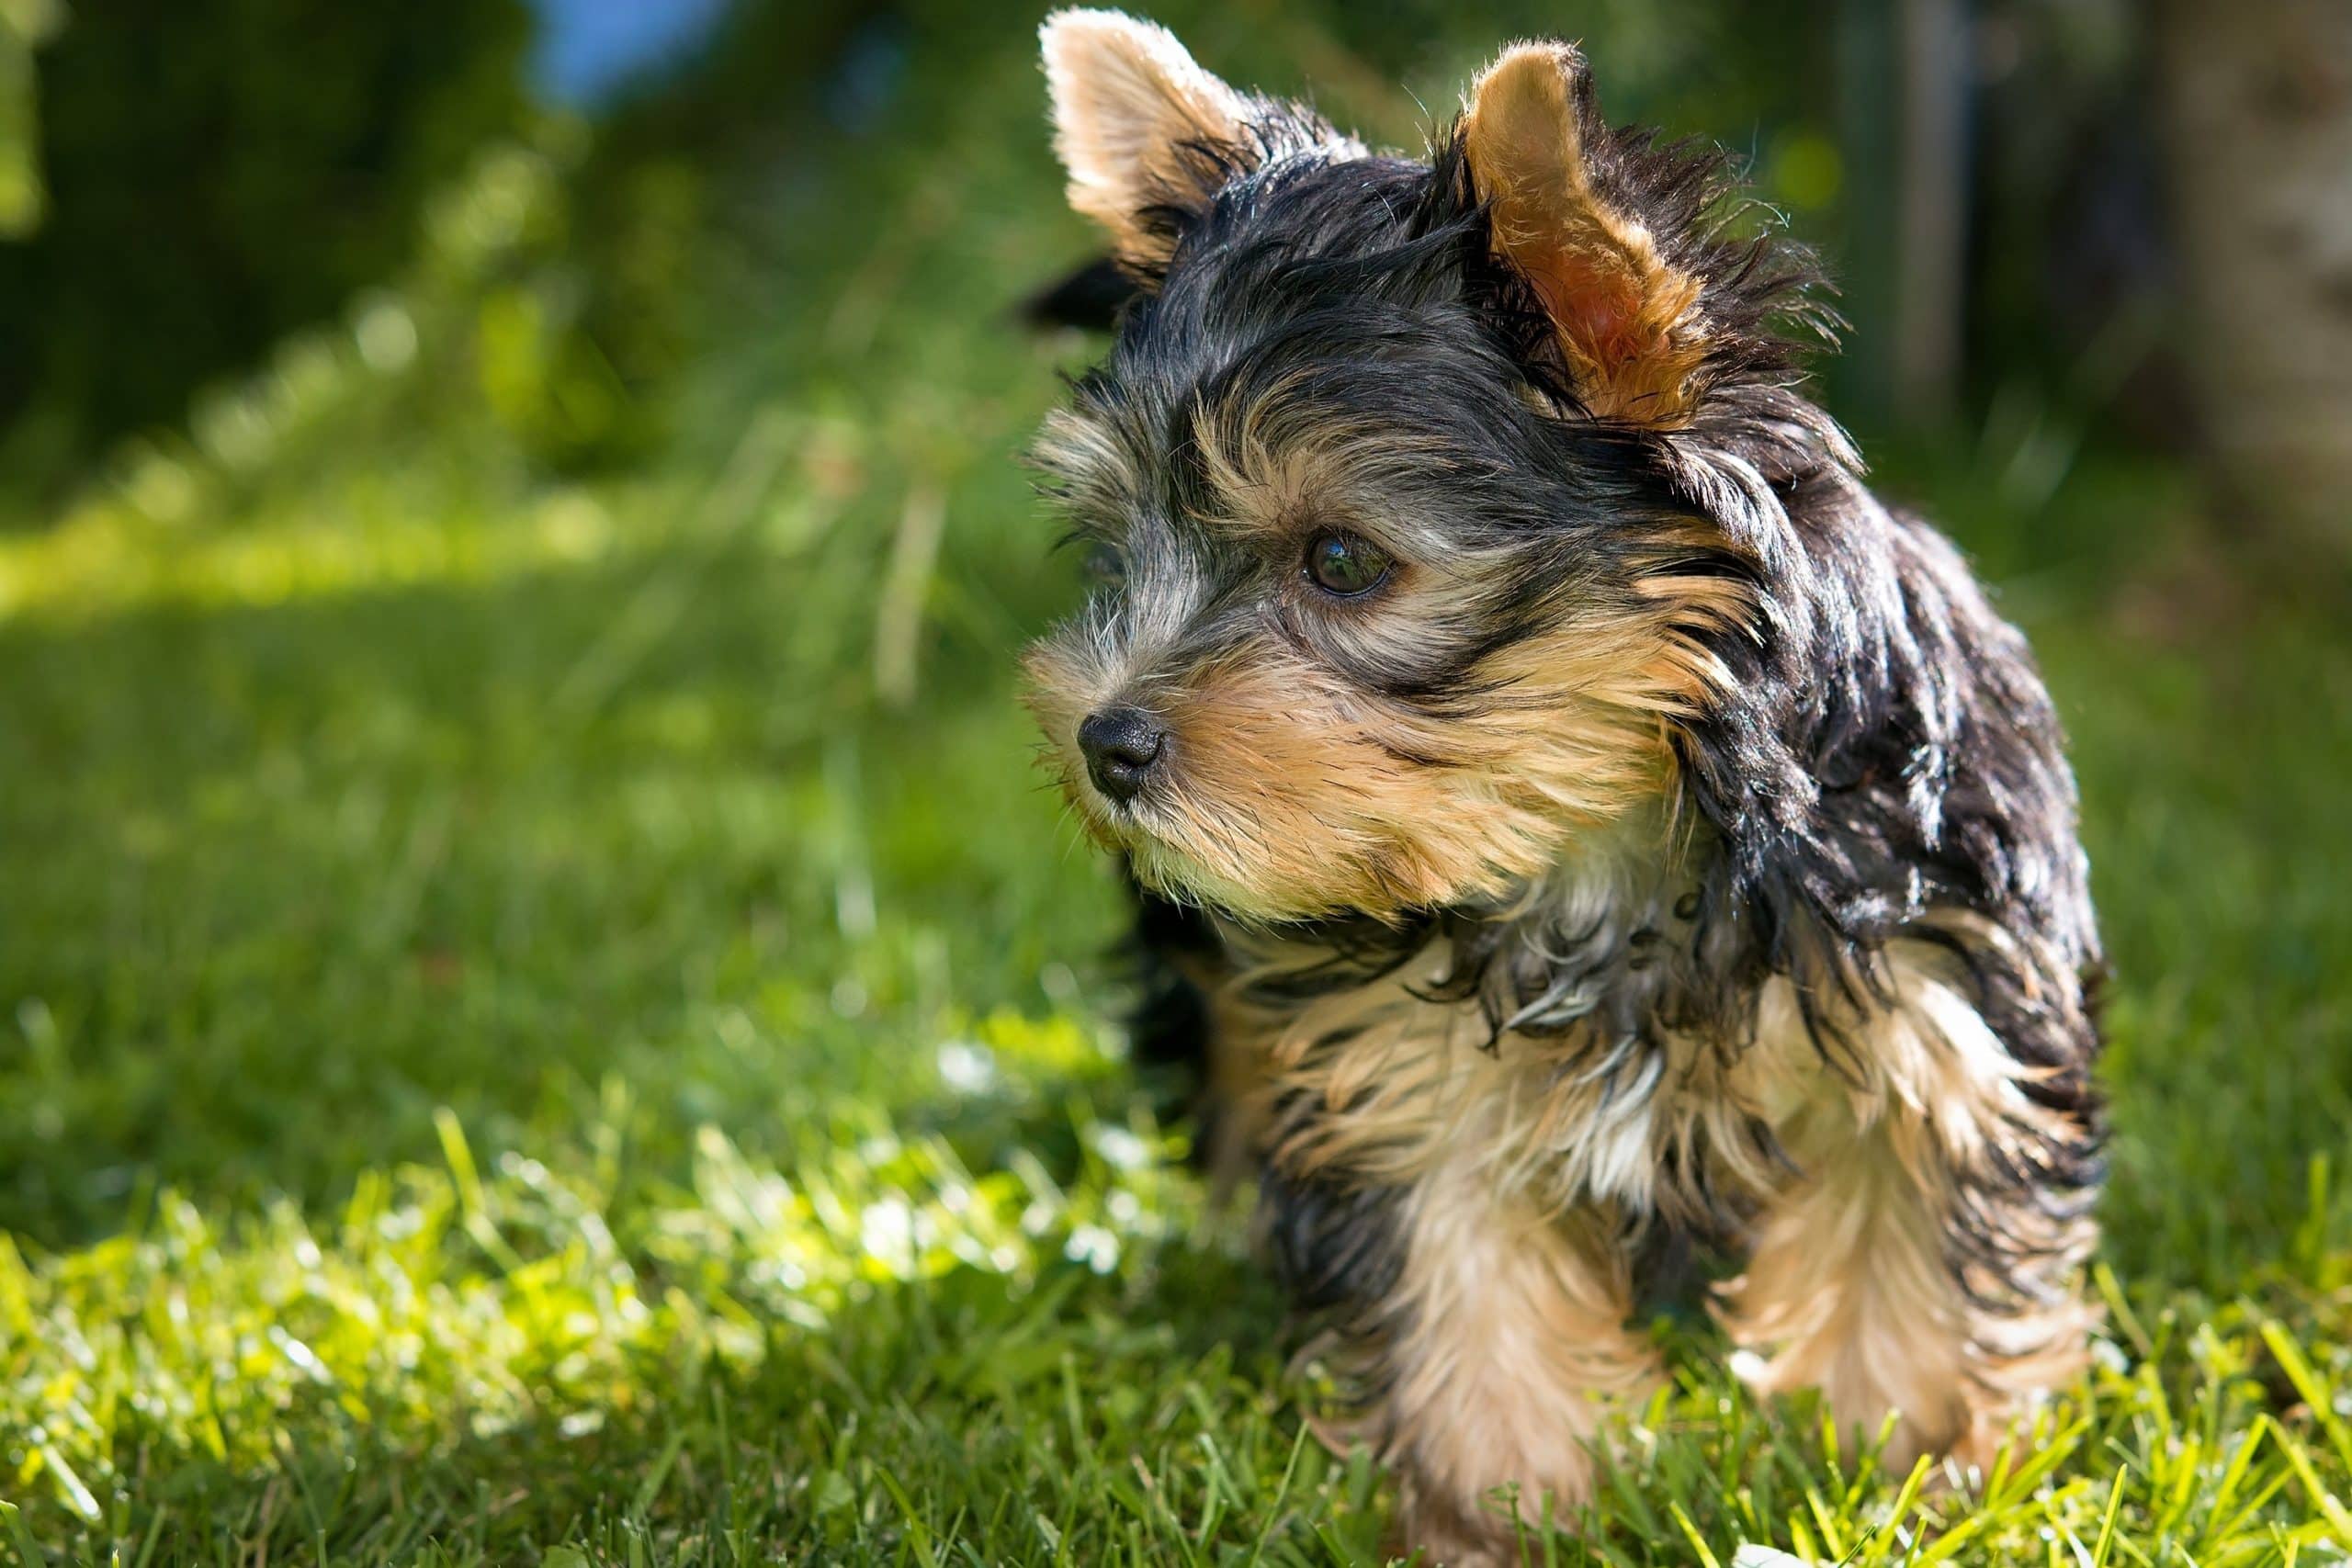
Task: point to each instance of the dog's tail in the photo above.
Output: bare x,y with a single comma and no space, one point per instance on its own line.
1089,298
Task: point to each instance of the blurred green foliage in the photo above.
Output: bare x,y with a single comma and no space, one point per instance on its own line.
224,173
216,175
25,25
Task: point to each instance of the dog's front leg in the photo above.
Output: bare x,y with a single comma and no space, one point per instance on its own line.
1925,1264
1487,1338
1861,1285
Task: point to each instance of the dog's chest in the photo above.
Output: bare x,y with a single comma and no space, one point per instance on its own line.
1386,1081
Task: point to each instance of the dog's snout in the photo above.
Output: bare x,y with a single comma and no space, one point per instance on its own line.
1121,745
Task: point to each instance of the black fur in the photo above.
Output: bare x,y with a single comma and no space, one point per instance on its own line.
1090,298
1886,752
1167,1024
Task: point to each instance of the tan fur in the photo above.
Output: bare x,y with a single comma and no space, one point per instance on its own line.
1281,467
1629,323
1512,1353
1504,1345
1851,1158
1508,1347
1128,104
1411,1083
1290,793
1516,1159
1087,464
1848,1289
1137,122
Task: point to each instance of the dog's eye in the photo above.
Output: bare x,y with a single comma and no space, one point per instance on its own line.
1106,565
1345,565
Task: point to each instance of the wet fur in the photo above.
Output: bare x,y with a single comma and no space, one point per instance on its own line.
1687,844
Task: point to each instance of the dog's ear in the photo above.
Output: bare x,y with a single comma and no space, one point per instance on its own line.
1630,325
1145,133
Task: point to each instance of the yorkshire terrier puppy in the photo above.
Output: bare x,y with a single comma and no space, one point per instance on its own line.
1568,806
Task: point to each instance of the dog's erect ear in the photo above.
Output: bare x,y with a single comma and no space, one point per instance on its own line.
1629,323
1142,129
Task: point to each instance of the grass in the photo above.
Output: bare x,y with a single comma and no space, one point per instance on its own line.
546,1018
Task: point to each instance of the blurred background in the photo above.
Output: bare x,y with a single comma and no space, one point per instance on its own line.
512,557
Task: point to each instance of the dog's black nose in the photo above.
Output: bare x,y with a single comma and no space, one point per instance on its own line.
1121,745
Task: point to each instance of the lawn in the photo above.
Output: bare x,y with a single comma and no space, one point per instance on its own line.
546,1015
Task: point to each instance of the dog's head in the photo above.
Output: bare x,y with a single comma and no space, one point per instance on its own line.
1423,497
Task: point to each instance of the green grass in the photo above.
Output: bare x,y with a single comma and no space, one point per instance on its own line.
523,1036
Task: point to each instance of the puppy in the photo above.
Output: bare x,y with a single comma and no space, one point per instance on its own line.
1571,807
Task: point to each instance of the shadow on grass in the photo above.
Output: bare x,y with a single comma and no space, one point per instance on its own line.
283,879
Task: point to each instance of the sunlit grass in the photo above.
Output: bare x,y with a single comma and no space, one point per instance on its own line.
452,1301
106,559
885,1351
